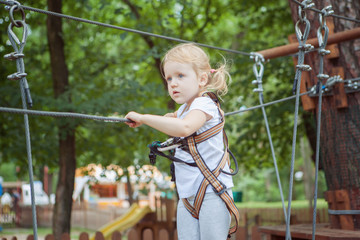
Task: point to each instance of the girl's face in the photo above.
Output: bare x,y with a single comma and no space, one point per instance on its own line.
184,84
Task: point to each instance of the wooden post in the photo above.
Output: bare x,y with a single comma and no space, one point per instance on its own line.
83,236
343,203
330,198
340,97
115,236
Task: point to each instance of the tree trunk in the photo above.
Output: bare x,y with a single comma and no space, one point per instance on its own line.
129,187
340,125
67,159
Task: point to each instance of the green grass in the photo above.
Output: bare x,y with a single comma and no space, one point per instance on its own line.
321,203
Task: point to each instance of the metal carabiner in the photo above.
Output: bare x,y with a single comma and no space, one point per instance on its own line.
259,59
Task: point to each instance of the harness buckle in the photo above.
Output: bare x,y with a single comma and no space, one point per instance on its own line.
224,188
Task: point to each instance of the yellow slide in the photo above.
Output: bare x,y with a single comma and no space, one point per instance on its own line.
129,219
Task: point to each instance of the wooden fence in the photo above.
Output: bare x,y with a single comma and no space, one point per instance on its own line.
161,225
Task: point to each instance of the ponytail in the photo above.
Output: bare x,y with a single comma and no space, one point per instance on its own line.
219,79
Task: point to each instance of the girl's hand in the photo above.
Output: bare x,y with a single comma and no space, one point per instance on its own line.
135,118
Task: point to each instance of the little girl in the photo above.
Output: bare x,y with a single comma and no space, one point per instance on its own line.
203,177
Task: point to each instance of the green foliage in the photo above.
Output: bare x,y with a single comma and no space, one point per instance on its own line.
113,72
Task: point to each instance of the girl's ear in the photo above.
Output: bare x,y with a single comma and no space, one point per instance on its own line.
203,79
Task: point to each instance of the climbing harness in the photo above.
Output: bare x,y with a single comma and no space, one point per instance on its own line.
189,144
24,88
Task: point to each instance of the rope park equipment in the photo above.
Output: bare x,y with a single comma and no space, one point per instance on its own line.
257,69
24,89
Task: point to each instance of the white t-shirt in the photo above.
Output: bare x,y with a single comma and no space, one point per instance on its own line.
188,178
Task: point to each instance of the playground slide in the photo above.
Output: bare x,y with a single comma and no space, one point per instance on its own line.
129,219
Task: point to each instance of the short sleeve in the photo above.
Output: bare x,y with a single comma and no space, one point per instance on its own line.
204,104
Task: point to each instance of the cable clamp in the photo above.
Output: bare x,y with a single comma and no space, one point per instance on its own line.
322,76
352,85
16,76
327,11
306,47
307,4
13,56
258,90
256,82
324,52
303,67
333,80
12,2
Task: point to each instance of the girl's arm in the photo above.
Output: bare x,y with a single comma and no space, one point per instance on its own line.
173,114
169,125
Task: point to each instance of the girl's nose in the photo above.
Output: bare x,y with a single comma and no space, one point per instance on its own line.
173,83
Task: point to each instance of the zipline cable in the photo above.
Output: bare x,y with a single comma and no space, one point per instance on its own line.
124,28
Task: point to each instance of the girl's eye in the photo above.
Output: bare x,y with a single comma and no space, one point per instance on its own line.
168,79
181,75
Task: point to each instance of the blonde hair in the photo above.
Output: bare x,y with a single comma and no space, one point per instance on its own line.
218,78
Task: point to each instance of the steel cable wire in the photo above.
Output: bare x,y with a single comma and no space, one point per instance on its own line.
124,28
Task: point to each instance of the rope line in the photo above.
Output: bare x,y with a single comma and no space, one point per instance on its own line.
116,119
62,114
20,75
258,69
265,104
331,14
342,212
301,37
322,35
124,28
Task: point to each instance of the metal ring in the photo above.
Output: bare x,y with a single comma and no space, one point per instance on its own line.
11,13
13,35
301,11
299,35
322,38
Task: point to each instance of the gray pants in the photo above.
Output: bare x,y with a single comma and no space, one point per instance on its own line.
214,220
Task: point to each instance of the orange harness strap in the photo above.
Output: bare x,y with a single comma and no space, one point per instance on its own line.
210,177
